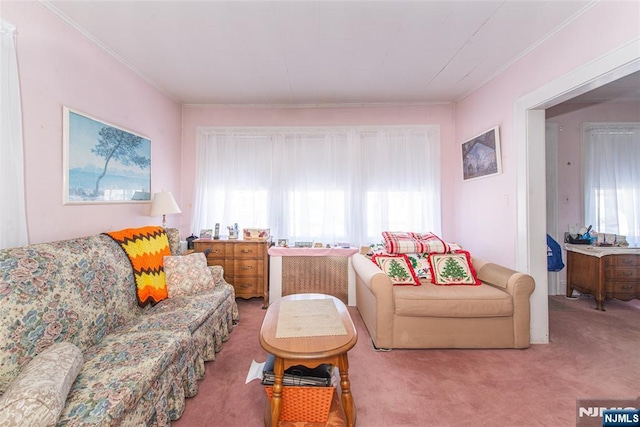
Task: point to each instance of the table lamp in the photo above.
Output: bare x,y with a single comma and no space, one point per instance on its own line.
163,204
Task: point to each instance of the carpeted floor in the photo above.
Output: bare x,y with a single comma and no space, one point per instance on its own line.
592,354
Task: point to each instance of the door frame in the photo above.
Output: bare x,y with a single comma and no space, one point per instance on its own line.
529,124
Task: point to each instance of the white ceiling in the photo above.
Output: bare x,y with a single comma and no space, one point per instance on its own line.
317,52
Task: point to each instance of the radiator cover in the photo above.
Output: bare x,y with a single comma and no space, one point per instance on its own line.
316,274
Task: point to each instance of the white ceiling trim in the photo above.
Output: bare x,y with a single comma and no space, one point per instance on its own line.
102,46
324,105
529,50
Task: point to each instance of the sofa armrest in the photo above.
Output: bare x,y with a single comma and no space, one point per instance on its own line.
374,299
504,278
217,272
520,286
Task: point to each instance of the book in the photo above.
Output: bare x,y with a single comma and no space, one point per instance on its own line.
299,375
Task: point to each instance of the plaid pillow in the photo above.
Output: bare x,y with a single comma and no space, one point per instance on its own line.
398,268
398,242
453,269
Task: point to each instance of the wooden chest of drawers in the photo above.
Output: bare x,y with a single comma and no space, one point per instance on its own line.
604,273
245,264
621,276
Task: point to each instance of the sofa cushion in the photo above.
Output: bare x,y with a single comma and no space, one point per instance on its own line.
180,313
451,301
183,313
118,371
187,274
37,396
398,268
452,269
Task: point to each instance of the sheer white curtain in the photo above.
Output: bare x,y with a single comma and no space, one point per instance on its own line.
611,159
233,179
314,186
13,220
329,185
400,180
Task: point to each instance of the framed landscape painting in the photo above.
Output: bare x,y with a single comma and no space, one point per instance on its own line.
103,163
481,155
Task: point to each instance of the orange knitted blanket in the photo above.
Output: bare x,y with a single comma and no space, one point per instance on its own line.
146,248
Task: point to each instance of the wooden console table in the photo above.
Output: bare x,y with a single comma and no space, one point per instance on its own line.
604,272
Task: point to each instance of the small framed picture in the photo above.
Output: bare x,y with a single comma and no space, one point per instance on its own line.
304,244
206,233
481,155
318,245
282,243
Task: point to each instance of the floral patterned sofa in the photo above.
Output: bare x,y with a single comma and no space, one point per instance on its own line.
70,307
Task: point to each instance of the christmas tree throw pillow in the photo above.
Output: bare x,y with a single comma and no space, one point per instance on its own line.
398,268
452,269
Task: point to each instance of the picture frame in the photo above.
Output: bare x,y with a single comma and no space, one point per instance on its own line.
283,243
102,162
481,155
318,245
206,233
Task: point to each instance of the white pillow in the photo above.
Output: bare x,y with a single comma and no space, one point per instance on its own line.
37,396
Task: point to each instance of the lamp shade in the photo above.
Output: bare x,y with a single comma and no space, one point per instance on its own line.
163,204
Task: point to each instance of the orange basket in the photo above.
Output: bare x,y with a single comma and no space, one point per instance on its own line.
300,403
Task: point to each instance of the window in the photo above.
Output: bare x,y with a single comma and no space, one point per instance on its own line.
326,185
611,155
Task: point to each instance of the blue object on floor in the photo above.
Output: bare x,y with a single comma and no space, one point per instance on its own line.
554,255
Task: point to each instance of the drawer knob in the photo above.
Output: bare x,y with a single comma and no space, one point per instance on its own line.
245,285
246,267
246,251
627,287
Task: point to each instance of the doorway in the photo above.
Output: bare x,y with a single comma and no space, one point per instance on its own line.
531,204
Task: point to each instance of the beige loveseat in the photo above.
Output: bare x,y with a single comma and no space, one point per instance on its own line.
492,315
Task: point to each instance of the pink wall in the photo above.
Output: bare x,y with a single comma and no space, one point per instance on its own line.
59,66
441,114
484,217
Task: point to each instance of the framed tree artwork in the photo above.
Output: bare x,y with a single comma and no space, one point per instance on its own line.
103,163
481,155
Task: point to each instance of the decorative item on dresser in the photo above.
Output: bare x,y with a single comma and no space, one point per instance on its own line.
604,272
245,264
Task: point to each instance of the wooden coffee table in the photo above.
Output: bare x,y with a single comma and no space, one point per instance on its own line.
309,351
